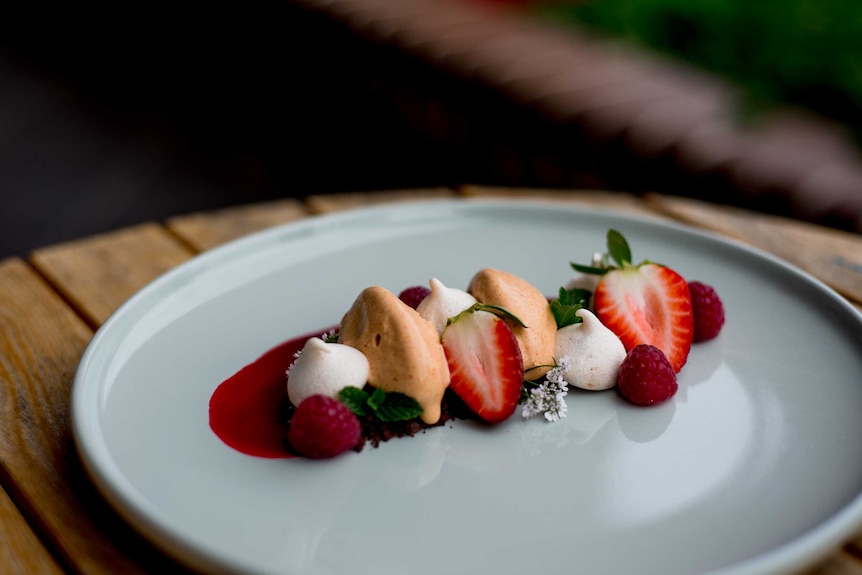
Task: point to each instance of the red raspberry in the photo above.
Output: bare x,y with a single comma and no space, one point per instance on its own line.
323,427
646,376
413,296
708,311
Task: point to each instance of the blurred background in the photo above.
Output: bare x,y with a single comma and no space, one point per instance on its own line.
112,115
801,53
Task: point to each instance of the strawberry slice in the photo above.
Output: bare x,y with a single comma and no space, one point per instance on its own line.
647,303
485,364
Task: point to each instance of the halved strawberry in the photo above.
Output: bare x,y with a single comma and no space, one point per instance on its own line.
485,364
644,304
648,304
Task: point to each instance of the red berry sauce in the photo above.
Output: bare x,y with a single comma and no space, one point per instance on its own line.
246,409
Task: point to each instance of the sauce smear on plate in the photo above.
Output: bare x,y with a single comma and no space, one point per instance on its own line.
245,411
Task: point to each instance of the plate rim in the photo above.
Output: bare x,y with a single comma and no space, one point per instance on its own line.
794,554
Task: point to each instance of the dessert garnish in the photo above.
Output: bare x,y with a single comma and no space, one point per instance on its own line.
323,368
403,349
396,365
537,334
646,376
708,311
642,303
594,353
486,369
323,427
548,396
391,406
443,303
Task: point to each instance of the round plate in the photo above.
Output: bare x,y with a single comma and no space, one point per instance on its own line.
753,467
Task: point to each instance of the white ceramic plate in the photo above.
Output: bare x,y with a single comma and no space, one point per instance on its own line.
754,466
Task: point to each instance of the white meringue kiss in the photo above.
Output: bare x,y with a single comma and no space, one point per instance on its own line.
443,303
596,353
325,369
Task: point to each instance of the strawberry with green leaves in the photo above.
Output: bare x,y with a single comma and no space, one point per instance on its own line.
645,303
485,363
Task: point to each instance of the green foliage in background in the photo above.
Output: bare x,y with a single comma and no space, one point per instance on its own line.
800,52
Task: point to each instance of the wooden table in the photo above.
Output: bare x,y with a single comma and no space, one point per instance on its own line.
51,518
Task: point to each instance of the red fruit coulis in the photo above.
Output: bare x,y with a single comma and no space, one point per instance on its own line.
246,408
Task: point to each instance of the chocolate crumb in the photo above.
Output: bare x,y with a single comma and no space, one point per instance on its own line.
375,432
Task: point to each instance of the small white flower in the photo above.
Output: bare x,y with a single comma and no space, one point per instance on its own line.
557,374
557,409
296,355
549,397
330,336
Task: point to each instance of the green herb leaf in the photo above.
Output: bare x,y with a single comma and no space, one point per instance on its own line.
385,406
355,399
376,399
500,312
618,248
578,296
588,269
567,304
398,407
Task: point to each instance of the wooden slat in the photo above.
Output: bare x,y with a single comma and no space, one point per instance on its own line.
323,204
854,546
833,256
21,552
41,340
838,562
619,201
99,273
206,230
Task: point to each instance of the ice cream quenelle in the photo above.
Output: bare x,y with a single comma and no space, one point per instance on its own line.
595,353
538,339
325,369
442,303
403,348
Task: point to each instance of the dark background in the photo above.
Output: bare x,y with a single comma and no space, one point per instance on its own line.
111,116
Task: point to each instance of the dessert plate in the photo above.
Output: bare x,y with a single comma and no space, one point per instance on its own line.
753,467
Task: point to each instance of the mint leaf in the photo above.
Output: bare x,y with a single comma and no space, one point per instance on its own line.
376,399
398,407
618,248
567,304
588,269
385,406
355,399
500,312
576,296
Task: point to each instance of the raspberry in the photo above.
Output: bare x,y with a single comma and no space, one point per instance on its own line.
323,427
708,311
413,296
646,376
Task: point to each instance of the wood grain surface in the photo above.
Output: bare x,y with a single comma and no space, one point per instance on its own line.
205,231
833,256
21,551
324,204
97,274
43,340
52,518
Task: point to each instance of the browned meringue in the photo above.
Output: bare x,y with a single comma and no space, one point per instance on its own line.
403,349
538,340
